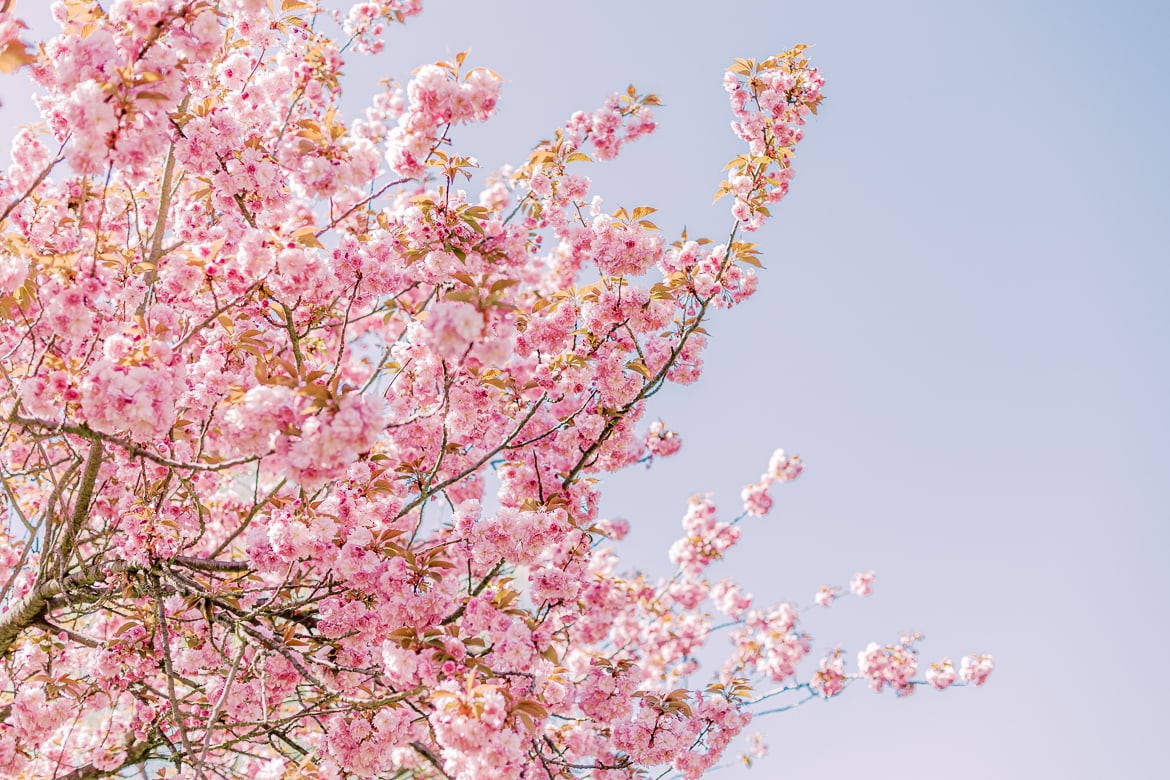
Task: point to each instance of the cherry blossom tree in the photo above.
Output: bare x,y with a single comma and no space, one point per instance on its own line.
302,441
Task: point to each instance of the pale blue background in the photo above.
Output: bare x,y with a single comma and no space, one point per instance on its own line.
962,328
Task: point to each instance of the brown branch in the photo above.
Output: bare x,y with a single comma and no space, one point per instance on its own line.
28,609
211,564
93,462
135,753
430,756
133,449
36,183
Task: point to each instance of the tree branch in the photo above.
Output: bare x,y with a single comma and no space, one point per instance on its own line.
28,609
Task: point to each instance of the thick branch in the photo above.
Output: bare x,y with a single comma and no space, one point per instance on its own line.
27,610
133,449
212,564
93,462
135,753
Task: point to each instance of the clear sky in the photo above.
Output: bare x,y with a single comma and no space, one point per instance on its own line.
962,328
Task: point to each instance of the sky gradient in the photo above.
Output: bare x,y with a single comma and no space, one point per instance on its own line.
962,328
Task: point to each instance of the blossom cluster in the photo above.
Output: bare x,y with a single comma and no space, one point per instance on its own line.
771,100
440,96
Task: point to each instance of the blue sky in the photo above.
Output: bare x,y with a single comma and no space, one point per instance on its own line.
962,328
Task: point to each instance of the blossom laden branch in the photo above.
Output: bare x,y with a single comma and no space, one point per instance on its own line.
247,344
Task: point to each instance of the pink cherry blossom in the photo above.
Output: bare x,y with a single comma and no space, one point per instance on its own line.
892,665
976,668
830,679
826,596
13,272
941,675
862,583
